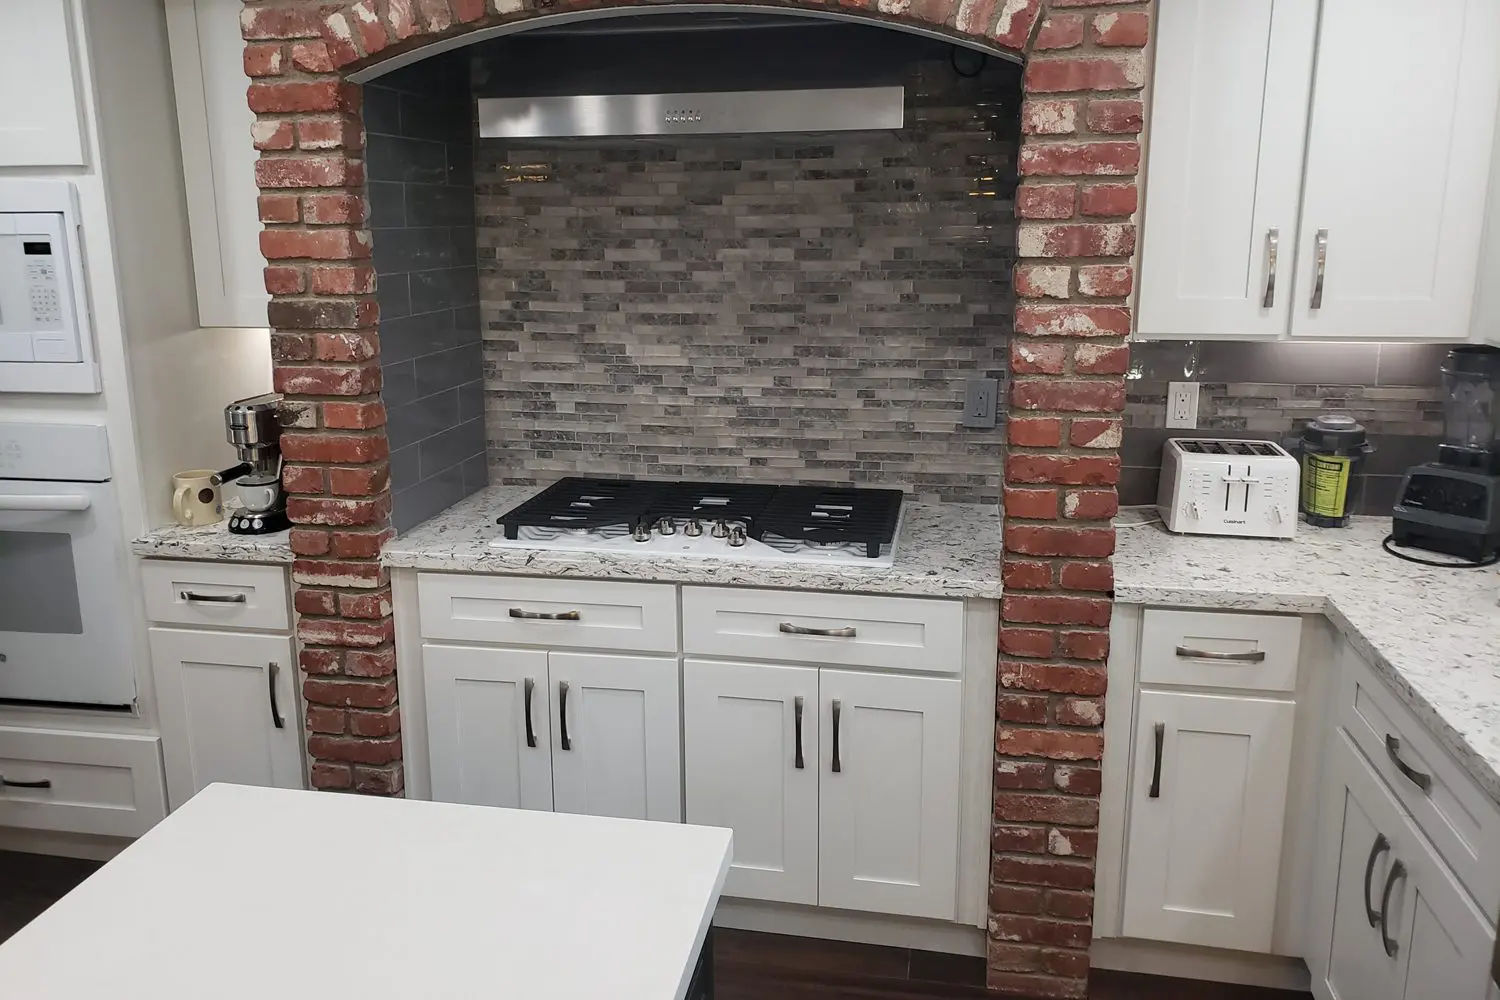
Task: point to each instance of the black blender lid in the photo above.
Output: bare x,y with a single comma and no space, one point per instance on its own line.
1473,360
1337,432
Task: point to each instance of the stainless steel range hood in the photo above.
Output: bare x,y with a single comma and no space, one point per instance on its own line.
733,112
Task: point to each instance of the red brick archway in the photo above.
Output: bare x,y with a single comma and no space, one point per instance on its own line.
1081,119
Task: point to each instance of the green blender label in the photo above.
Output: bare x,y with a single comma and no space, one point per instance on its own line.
1325,484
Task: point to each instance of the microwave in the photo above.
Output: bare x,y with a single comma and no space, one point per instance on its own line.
45,342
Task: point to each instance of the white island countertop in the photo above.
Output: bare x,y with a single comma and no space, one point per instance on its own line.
1434,634
234,897
944,550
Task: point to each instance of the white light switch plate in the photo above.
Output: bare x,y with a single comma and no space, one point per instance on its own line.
1182,404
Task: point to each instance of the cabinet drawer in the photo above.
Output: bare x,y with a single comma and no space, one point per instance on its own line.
106,784
595,614
1461,821
222,595
1219,650
902,633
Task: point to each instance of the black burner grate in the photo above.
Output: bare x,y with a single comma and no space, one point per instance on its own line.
866,517
832,514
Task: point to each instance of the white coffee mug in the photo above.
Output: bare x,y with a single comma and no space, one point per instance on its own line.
195,498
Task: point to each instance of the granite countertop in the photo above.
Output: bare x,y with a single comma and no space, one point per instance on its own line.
1433,633
213,542
944,550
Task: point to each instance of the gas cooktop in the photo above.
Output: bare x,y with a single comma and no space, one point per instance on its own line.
735,520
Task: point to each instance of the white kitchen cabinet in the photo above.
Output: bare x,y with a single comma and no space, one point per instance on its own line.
889,798
750,753
218,159
1402,226
228,709
1228,116
616,747
1395,923
488,718
1388,241
40,119
1207,802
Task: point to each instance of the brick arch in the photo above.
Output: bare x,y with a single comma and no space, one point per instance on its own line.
1076,208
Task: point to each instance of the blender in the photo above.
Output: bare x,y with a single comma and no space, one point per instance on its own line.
1453,505
253,426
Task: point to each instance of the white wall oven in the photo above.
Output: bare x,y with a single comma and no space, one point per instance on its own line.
63,635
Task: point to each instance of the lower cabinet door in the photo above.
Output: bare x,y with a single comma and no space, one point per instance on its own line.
487,726
616,747
228,706
1207,800
751,764
1402,926
889,781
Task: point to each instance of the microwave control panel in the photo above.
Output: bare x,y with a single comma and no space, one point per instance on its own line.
45,345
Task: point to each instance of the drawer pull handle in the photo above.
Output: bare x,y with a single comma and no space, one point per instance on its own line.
1398,870
847,632
530,732
546,616
1393,751
564,740
797,725
42,783
838,711
1378,848
1254,656
193,597
1161,738
272,670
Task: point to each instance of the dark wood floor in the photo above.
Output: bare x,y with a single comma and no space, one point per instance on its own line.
748,966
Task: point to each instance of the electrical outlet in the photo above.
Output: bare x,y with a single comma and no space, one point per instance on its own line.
1182,404
981,401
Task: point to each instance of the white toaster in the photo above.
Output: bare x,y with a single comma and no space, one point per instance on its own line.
1213,486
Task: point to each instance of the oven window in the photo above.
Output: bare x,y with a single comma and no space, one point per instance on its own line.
38,588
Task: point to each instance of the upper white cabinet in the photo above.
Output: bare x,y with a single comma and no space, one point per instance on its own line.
40,118
1398,164
1228,118
1378,116
218,159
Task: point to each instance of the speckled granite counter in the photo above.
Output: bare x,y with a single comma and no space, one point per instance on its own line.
1433,633
949,550
213,542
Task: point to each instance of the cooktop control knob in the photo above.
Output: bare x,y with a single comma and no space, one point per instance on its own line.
720,530
736,535
641,533
693,528
666,526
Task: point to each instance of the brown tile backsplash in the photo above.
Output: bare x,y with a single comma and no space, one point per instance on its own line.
772,308
1269,391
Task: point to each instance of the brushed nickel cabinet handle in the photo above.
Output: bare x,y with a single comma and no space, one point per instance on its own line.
193,597
1255,656
1378,848
797,725
847,632
272,669
1273,242
838,711
1154,792
1419,778
529,687
564,740
1321,243
1398,870
546,616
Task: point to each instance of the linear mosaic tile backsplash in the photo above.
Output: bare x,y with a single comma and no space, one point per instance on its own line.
755,308
1269,391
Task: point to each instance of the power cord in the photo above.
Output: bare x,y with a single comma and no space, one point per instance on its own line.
1388,543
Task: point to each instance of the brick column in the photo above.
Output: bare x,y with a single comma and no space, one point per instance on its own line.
1079,157
326,361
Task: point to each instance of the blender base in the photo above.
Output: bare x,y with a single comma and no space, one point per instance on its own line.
1448,510
258,523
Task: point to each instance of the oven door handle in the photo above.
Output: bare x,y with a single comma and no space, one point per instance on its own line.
43,501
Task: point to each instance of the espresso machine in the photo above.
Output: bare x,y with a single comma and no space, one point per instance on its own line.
254,428
1453,505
